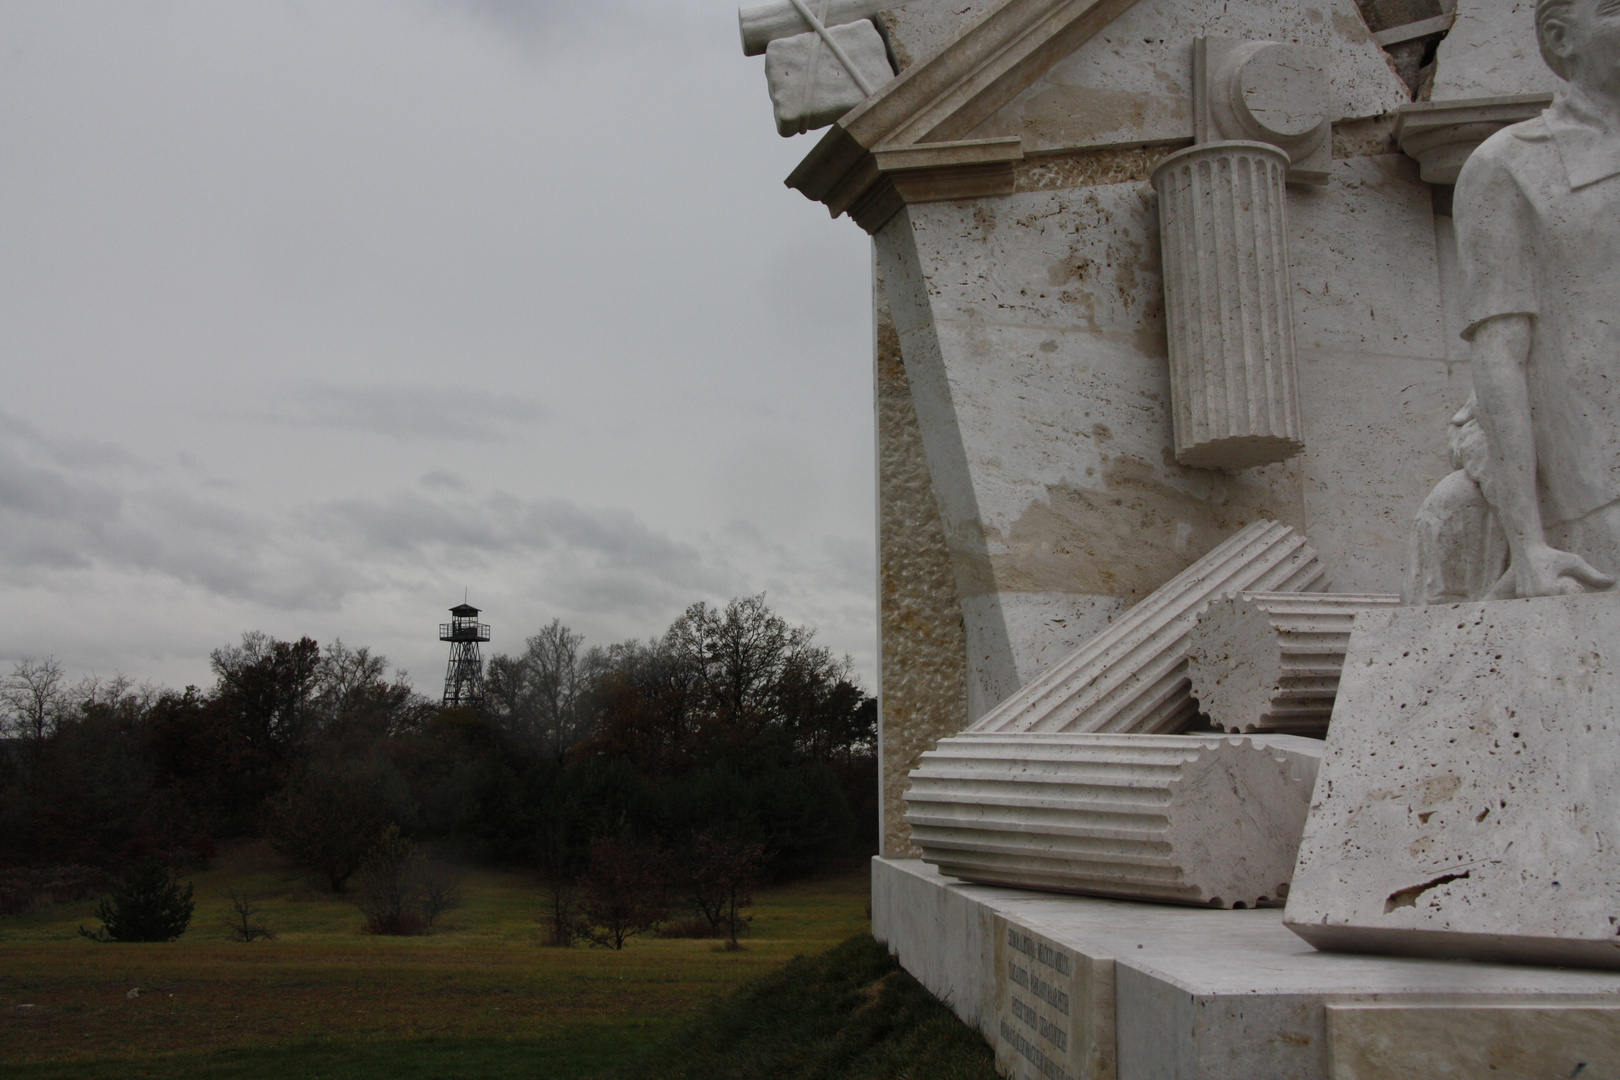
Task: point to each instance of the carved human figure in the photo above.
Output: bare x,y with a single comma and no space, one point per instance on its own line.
1538,227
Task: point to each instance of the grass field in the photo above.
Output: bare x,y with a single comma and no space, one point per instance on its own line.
481,997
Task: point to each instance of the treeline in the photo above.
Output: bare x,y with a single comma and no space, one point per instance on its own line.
733,732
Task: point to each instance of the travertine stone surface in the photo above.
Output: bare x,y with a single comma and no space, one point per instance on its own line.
1036,346
921,27
1491,50
1234,383
1133,83
1117,815
1184,992
922,690
1132,676
1470,785
1376,383
1508,1041
1265,91
1047,435
1442,135
810,84
1271,661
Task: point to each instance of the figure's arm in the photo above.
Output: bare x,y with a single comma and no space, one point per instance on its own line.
1501,353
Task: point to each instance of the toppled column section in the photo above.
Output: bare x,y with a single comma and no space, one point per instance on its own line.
1234,383
1192,819
1132,677
1262,661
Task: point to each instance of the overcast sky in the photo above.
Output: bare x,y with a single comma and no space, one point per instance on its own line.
316,312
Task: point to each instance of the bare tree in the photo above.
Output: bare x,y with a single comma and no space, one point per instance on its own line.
541,695
34,698
246,921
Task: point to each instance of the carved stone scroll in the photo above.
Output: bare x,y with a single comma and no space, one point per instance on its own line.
1234,381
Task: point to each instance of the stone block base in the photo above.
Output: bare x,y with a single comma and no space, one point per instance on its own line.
1468,793
1078,988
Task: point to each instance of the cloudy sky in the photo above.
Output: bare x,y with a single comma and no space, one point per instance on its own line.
315,312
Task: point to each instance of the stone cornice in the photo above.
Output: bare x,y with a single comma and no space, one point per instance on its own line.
905,143
1442,134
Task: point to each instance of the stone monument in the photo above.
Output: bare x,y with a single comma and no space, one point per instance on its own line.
1473,764
1170,301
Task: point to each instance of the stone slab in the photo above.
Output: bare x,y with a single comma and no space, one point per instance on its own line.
1196,993
1442,1042
1470,786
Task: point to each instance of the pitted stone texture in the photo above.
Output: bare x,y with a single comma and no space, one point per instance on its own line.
1505,1041
1132,677
1491,51
1271,661
922,692
1469,790
918,28
1234,378
1133,82
1209,819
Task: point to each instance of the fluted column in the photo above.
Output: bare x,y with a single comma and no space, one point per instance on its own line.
1234,383
1262,661
1132,677
1206,819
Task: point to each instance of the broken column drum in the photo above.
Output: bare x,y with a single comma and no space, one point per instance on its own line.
1263,661
1132,677
1205,819
1234,381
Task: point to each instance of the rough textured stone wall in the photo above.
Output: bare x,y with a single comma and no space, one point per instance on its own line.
923,678
920,27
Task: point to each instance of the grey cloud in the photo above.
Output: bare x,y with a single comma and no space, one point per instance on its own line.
403,411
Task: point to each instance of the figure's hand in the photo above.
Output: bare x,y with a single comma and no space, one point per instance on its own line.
1546,571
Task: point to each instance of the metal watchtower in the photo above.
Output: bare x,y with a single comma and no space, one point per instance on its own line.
464,679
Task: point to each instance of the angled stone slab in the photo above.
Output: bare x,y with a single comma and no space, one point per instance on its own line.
1469,795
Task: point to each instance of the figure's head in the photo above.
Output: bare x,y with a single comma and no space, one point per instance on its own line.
1580,40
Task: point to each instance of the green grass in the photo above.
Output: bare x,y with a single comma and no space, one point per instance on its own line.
847,1014
481,998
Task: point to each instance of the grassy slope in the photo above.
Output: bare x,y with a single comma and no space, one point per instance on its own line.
848,1014
483,997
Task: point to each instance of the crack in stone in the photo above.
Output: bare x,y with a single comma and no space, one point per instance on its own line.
1408,897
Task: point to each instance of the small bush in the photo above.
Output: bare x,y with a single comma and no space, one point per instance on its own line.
401,891
246,922
145,904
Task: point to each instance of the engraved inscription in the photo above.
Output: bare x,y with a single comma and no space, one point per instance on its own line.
1033,1054
1034,1036
1050,994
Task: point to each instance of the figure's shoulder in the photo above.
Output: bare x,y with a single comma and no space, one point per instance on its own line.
1516,145
1509,157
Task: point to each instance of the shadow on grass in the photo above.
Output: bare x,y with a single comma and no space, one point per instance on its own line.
564,1056
848,1014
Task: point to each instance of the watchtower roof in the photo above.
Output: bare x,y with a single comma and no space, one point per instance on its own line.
464,611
